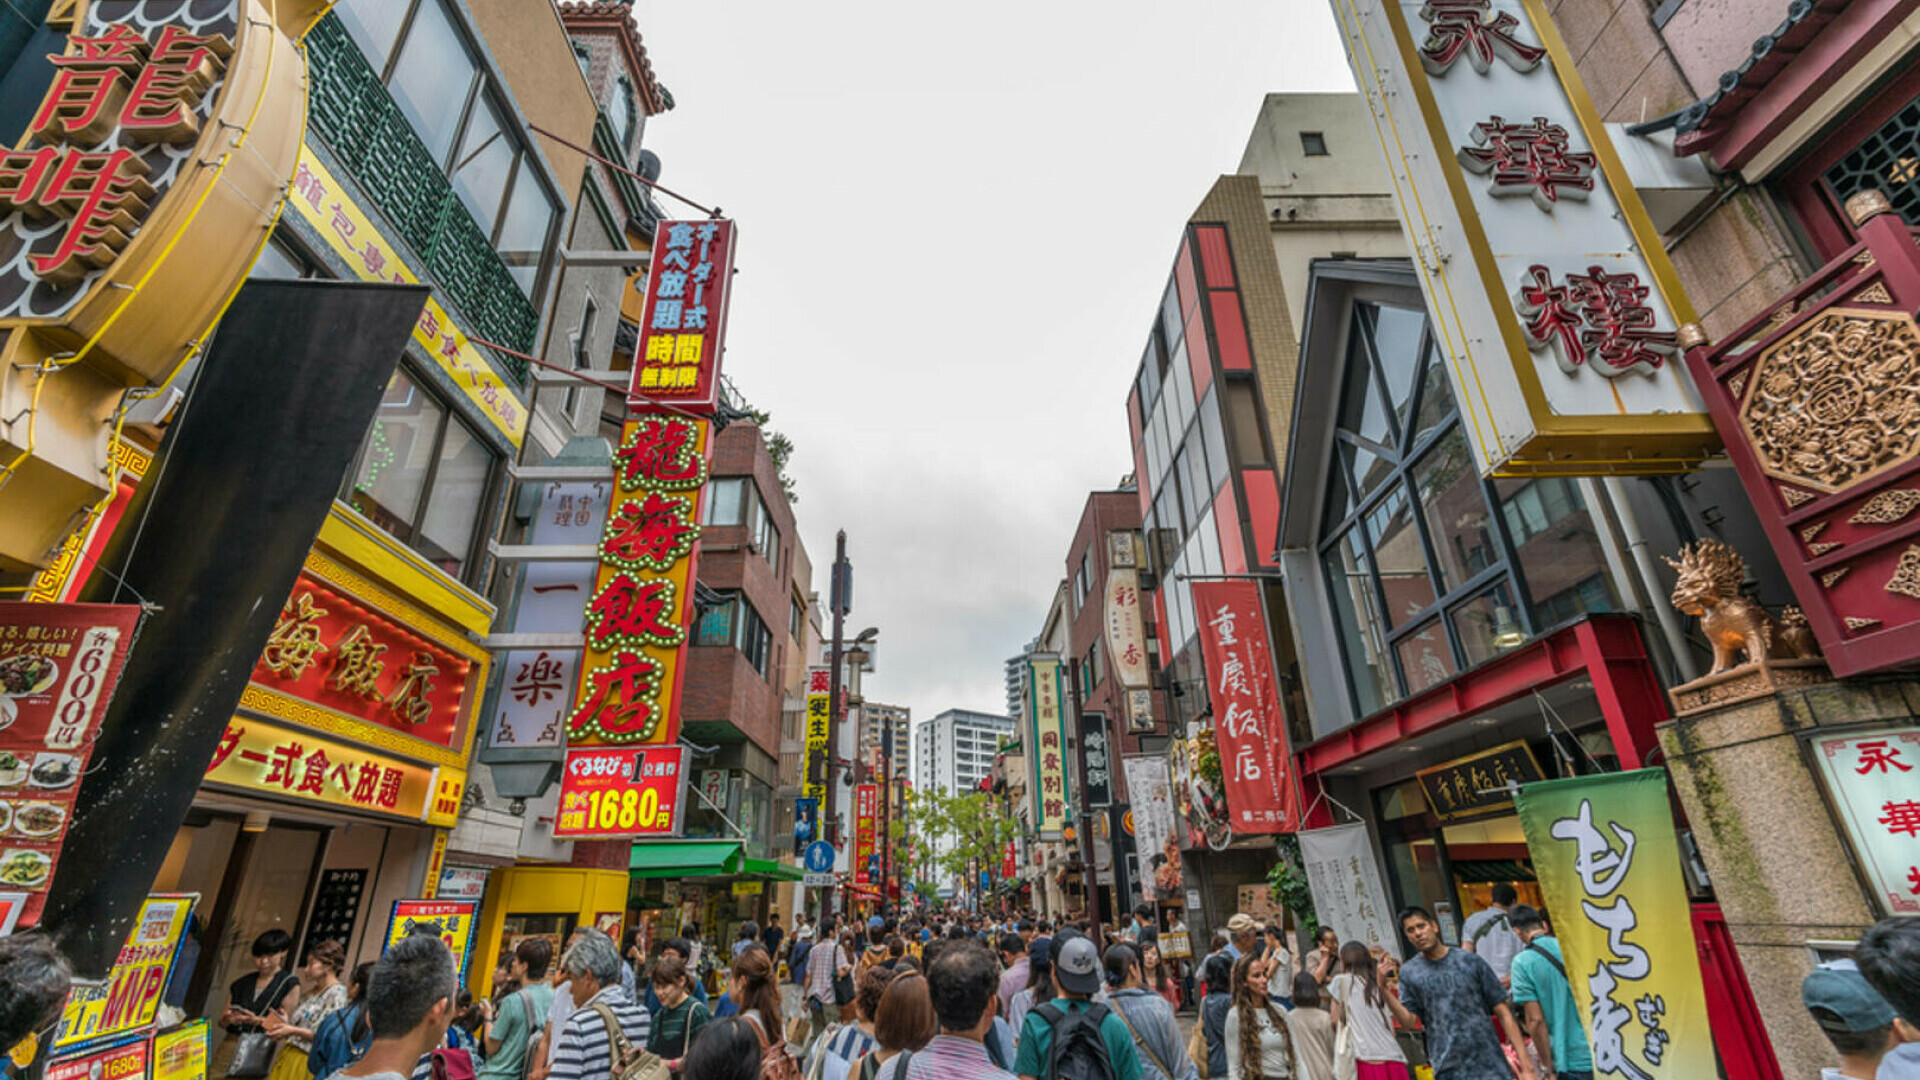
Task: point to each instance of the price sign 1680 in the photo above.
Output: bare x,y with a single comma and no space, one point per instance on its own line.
628,810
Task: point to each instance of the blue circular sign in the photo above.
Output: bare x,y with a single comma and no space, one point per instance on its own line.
819,856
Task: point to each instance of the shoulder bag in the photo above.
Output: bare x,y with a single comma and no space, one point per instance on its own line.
1346,1062
1197,1045
1142,1043
629,1061
842,984
253,1055
775,1062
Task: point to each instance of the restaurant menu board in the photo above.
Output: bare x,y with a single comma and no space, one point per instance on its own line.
124,1060
452,921
181,1054
336,907
130,998
58,667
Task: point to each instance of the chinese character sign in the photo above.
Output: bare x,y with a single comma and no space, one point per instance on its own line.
621,792
866,832
1096,760
1873,778
1603,848
1345,881
59,664
130,998
256,756
332,649
1150,788
1481,784
819,720
1126,628
1248,725
1048,737
683,325
640,612
1542,271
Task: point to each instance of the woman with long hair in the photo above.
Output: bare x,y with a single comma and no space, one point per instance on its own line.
1258,1045
904,1021
750,985
1356,998
345,1034
1159,975
1039,988
1216,998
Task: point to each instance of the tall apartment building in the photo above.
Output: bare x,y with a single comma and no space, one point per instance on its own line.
954,750
885,735
1017,678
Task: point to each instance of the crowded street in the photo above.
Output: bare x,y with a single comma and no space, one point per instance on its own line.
554,540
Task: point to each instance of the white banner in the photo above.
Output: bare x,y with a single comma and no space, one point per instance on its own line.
1150,792
1126,629
1347,893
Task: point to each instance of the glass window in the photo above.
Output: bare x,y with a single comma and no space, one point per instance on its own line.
1191,500
1436,395
1243,422
484,165
1425,657
1361,410
1149,379
373,25
524,228
768,538
1350,584
1214,440
1367,468
1180,395
1196,478
1557,547
453,506
621,115
433,77
1487,625
276,262
796,619
714,622
724,501
1396,339
398,453
1455,511
1401,562
423,476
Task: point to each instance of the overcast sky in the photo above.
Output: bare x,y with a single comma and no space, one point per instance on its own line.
956,220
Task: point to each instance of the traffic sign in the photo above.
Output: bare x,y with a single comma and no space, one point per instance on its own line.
819,858
816,880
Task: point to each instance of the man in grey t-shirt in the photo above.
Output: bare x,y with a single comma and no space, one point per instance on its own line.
1456,997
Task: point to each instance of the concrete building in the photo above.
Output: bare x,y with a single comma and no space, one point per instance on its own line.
954,750
886,736
1017,680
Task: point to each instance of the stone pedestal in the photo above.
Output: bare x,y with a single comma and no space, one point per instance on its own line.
1778,859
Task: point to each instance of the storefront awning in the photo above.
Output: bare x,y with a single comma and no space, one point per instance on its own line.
686,858
771,870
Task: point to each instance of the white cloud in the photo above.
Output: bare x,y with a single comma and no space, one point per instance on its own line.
956,221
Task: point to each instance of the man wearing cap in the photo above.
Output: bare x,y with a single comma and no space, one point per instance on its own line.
1076,975
1241,932
1856,1020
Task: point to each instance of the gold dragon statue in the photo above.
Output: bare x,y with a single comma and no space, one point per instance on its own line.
1710,573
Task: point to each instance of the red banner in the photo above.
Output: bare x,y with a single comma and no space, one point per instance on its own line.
1009,863
58,667
684,323
866,821
121,1061
1248,725
621,791
332,649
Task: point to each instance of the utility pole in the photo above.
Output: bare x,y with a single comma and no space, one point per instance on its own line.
839,589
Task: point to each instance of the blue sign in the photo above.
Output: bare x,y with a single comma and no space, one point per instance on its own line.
984,886
820,857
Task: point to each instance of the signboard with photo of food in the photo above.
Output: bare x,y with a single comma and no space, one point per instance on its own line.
58,667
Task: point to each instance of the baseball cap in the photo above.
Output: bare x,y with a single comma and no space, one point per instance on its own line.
1847,996
1040,951
1242,923
1077,968
874,922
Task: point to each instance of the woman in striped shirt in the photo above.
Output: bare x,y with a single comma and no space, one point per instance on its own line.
842,1047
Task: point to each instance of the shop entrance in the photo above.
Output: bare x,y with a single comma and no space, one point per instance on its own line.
1449,869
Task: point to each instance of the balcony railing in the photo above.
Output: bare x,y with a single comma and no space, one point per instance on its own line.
1818,401
359,121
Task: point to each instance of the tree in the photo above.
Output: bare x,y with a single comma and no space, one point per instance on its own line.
950,834
780,449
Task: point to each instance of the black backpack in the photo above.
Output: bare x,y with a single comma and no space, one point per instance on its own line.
1078,1051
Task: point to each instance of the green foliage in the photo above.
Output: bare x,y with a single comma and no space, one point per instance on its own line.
780,449
944,832
1287,884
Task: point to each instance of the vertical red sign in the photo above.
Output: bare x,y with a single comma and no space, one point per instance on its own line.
684,324
866,809
1254,757
58,667
1009,862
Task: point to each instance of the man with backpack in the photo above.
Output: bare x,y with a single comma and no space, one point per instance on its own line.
1489,932
1074,1037
518,1020
604,1036
1549,1014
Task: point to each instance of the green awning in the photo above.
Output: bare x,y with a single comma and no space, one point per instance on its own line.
686,858
772,870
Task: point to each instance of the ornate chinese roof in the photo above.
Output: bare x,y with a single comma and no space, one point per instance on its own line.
617,16
1699,126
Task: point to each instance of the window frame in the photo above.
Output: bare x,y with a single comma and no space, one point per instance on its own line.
450,413
1801,185
1403,464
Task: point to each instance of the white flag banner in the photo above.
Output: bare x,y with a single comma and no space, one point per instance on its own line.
1347,892
1151,794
